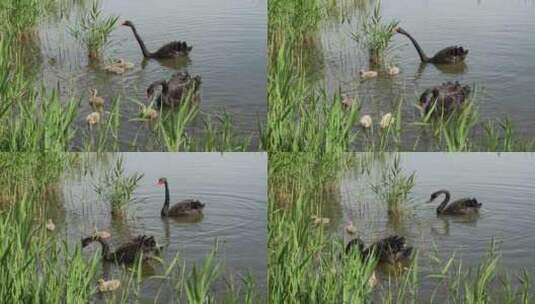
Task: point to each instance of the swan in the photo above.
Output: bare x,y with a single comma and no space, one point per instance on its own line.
461,206
96,102
174,89
170,50
182,208
391,250
445,97
127,253
110,285
449,55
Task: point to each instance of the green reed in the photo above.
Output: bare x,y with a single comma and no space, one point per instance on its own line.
374,34
117,188
93,29
394,186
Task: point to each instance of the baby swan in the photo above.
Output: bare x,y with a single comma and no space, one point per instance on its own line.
350,228
110,285
96,102
119,66
367,74
93,118
392,71
50,225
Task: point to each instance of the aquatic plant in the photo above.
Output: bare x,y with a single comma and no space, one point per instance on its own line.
375,35
115,187
394,186
93,29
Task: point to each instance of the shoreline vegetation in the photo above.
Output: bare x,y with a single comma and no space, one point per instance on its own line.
38,266
37,118
304,117
307,263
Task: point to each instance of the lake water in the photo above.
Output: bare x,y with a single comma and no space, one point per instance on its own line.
229,53
233,187
503,183
499,34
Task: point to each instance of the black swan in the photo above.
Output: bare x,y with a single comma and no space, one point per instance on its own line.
461,206
170,50
449,55
127,253
182,208
391,250
174,89
444,98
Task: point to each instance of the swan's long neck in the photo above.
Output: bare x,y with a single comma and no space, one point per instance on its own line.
144,50
165,209
105,249
423,56
444,202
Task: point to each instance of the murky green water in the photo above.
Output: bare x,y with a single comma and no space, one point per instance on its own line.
503,183
499,34
229,53
233,187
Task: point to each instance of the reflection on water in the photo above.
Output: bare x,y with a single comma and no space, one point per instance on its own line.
229,53
499,35
503,183
232,185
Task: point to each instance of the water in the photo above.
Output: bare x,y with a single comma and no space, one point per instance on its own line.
233,187
500,37
229,53
503,183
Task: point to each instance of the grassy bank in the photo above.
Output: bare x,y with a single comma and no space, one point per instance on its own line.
307,263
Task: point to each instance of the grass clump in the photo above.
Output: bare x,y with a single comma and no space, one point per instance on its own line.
374,34
117,188
93,29
394,186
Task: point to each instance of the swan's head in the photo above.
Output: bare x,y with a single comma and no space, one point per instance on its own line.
127,23
398,29
162,181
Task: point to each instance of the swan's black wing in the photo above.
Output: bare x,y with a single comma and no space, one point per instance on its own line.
186,207
390,250
173,49
450,55
463,206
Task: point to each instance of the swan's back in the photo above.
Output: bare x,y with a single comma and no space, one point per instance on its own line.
186,207
463,206
390,250
450,55
173,49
